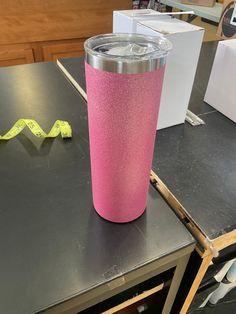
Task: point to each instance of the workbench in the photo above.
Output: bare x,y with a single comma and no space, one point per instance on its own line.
57,254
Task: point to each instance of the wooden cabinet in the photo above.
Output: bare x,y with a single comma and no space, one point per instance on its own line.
56,51
14,57
44,30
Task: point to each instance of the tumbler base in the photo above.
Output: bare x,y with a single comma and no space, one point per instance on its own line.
120,219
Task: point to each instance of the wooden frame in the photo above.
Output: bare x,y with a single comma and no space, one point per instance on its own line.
16,56
63,50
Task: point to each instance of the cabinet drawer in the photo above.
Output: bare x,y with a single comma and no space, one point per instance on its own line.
56,51
133,302
14,57
149,294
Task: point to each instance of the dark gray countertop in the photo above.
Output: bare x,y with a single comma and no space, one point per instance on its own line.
197,164
53,245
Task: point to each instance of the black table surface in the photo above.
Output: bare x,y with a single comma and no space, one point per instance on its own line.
198,164
53,244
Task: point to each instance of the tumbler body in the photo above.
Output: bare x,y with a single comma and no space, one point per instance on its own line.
122,115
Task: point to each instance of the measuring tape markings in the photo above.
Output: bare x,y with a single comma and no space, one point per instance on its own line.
59,126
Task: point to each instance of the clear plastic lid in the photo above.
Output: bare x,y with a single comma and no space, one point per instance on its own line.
127,53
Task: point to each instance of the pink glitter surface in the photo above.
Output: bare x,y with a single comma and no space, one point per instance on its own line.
122,113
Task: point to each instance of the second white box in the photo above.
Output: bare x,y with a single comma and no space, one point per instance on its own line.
221,93
181,63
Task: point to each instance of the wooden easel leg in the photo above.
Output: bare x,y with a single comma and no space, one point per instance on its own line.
196,283
175,283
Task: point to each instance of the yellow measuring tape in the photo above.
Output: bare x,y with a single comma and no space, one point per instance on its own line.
59,126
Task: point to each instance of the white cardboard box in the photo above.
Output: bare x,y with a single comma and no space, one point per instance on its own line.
181,63
221,91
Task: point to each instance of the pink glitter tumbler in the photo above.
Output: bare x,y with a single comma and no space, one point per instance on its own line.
124,75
